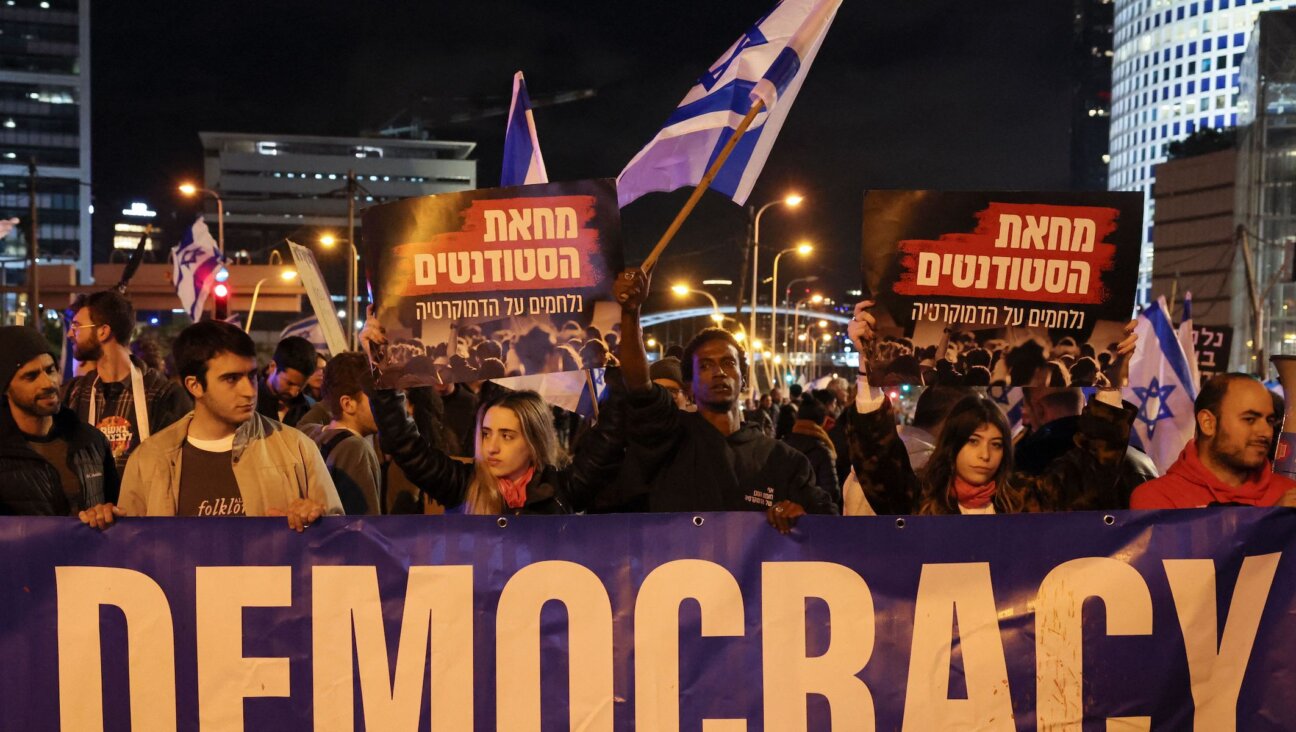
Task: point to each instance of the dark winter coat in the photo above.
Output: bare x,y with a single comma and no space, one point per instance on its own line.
812,441
30,485
690,466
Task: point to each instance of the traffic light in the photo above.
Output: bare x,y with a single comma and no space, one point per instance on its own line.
222,294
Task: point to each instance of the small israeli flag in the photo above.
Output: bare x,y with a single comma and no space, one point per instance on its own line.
308,328
1162,387
196,260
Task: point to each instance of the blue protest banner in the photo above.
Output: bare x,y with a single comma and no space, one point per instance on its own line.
1159,620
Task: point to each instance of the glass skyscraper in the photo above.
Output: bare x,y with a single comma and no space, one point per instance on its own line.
1175,71
45,120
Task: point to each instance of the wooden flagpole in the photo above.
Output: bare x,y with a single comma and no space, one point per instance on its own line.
701,187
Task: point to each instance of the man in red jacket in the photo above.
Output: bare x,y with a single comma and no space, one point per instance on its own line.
1227,462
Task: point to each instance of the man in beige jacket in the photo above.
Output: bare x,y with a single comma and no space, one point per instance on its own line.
222,459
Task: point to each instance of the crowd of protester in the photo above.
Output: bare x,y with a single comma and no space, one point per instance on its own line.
473,355
992,361
198,428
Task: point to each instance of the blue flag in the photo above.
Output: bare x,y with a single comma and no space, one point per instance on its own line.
769,63
523,164
308,328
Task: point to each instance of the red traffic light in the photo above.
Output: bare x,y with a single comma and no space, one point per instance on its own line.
221,307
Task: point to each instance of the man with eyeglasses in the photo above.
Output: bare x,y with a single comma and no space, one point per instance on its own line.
122,398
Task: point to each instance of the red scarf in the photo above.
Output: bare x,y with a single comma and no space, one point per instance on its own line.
972,496
514,491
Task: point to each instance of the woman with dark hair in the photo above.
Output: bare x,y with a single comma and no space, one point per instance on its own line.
970,469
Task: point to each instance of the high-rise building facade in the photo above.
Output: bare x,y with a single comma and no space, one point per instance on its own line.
1175,71
1091,58
1266,191
45,121
295,186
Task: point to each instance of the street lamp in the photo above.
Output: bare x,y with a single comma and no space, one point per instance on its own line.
682,290
652,342
189,190
328,240
787,300
288,274
792,200
803,249
814,299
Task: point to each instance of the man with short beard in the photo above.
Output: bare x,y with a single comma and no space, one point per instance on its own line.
706,460
123,398
51,463
1227,463
281,396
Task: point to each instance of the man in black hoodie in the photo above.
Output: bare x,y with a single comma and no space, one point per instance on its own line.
707,460
51,463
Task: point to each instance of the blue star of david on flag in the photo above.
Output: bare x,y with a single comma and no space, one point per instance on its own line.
1152,403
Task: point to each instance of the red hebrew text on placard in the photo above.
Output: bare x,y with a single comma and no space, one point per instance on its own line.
507,245
1017,252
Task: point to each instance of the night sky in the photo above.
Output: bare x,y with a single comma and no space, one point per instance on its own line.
944,94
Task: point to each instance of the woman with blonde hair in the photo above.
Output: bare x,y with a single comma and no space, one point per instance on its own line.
518,465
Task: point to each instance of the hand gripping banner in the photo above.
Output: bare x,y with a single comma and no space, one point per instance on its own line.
1131,621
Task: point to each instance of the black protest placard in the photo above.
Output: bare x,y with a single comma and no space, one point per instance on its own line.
493,282
999,287
1213,344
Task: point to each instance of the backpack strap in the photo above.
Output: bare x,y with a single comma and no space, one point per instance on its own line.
332,443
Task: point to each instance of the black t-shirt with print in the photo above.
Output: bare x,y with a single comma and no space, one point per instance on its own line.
207,484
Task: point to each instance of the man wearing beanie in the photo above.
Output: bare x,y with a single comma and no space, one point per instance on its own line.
668,374
51,463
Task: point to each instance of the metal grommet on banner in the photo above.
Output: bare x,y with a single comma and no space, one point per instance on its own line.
900,523
1109,519
698,520
502,522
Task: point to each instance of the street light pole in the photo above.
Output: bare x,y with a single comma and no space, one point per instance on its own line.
33,247
327,241
682,290
787,299
288,275
189,189
802,249
792,201
796,312
352,286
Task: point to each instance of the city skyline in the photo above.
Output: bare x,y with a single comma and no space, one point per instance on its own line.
992,109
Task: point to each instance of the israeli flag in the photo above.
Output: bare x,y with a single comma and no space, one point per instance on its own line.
1011,400
768,62
523,164
566,389
1187,342
308,328
1161,386
196,260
